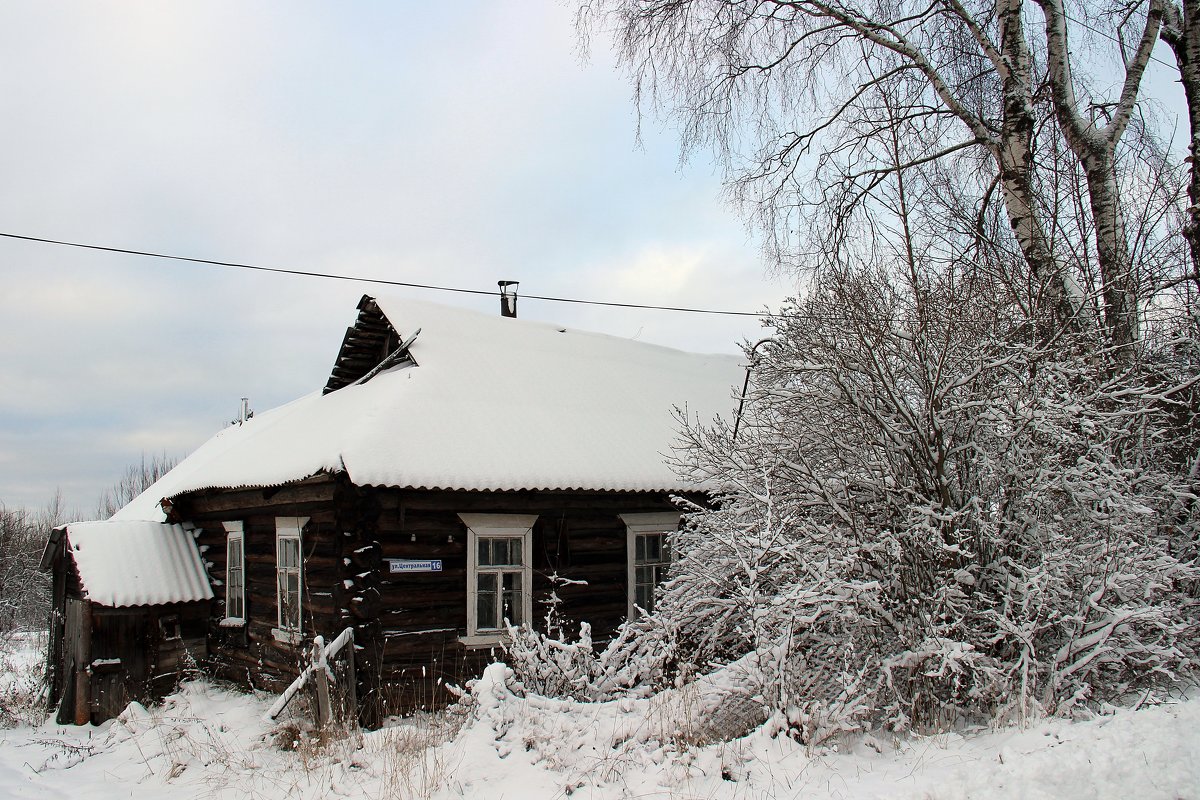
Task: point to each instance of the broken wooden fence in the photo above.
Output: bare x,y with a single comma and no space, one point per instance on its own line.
322,675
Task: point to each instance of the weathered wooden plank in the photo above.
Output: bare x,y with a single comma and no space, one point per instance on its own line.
298,495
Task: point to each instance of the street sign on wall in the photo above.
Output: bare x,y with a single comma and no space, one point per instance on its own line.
414,565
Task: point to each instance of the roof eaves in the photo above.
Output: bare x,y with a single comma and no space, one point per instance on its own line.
236,487
52,549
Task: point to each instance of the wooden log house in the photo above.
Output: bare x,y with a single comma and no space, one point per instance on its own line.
455,469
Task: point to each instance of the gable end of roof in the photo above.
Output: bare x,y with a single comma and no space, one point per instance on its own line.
366,343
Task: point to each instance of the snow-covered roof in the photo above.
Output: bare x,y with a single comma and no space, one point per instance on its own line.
137,563
492,403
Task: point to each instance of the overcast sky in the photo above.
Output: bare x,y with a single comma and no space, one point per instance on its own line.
449,144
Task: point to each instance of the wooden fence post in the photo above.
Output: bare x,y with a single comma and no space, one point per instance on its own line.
321,676
352,681
318,671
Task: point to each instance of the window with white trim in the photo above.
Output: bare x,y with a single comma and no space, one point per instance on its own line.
499,574
648,556
289,577
235,571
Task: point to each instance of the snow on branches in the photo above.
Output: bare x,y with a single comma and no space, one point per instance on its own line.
933,517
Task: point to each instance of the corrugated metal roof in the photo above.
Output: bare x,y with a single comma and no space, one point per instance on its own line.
495,404
137,563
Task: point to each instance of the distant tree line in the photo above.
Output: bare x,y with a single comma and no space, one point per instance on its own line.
24,589
136,479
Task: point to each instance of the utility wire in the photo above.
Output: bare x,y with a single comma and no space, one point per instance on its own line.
383,281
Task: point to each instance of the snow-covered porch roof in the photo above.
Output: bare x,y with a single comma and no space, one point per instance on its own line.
480,402
132,563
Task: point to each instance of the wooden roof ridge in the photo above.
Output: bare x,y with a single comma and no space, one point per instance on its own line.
369,341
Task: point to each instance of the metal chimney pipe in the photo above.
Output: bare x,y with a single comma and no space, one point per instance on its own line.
508,298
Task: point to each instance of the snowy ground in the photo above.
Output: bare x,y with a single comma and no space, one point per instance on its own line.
209,742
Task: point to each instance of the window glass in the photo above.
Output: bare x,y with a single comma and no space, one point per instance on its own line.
498,584
512,597
288,577
497,551
169,626
289,552
652,546
649,556
235,573
644,597
485,601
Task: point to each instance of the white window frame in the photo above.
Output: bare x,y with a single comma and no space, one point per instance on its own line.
235,537
289,528
496,526
663,522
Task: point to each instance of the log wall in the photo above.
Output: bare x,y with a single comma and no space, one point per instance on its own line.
252,654
407,625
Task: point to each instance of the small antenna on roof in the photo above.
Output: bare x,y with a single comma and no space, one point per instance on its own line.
508,298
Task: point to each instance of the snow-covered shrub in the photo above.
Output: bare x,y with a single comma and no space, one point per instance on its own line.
24,589
550,665
931,512
22,678
547,663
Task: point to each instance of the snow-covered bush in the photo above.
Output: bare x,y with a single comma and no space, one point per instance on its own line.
24,589
22,678
964,481
546,662
932,512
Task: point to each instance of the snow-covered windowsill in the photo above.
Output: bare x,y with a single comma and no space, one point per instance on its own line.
489,639
233,622
286,635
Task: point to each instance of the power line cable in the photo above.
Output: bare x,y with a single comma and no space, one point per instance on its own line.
459,290
382,281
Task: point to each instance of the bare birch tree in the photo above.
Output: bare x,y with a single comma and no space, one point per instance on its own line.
780,89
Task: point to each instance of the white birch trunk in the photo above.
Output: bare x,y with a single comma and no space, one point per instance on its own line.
1181,30
1095,149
